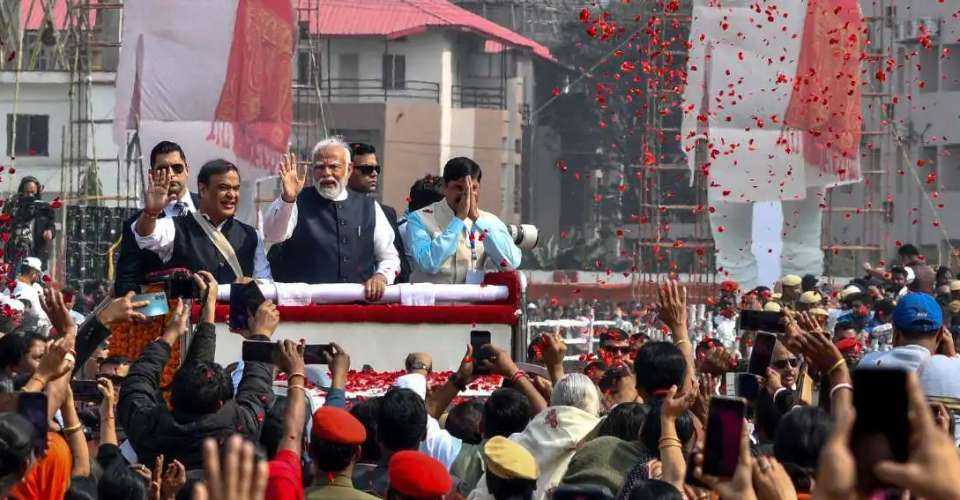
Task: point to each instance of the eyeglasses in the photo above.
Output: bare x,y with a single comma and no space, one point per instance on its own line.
617,349
368,169
781,364
177,168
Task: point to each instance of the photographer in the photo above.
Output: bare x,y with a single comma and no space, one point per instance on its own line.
31,227
202,398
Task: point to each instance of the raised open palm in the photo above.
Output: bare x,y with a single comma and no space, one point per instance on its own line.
292,177
158,192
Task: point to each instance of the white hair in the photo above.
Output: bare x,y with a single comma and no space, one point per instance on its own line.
334,141
577,390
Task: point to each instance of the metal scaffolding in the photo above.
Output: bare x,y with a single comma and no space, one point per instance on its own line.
673,222
857,217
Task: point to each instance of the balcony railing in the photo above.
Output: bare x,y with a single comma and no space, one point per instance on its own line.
478,97
371,89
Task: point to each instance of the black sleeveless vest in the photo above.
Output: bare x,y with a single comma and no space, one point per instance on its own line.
332,243
194,251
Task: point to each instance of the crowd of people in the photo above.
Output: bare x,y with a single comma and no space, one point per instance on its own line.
634,421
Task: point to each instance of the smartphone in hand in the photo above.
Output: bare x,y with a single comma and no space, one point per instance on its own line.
882,428
245,299
33,407
762,353
721,452
317,354
86,391
761,321
258,350
156,304
479,339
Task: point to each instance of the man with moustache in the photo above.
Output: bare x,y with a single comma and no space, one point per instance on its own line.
209,239
329,233
133,264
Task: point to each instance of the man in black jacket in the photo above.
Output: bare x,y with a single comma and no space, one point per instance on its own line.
133,264
188,241
364,180
202,396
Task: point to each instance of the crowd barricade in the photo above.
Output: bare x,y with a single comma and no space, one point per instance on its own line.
380,335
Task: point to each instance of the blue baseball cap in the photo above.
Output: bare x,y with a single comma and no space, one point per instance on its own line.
917,313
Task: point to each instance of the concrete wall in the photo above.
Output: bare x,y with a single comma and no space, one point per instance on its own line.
46,93
421,54
412,149
927,118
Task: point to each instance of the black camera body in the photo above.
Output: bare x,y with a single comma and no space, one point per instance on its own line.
178,283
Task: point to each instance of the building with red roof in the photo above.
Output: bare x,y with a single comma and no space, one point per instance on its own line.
425,81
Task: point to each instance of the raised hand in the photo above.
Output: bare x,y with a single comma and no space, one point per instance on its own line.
177,324
673,304
474,212
157,195
59,314
122,309
174,477
930,472
241,476
771,481
289,357
57,361
293,176
266,319
675,405
464,206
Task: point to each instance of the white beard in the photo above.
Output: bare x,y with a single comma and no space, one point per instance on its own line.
330,193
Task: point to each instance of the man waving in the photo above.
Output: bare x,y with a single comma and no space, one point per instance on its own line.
329,234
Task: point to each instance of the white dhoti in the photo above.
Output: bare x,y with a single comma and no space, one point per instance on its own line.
740,80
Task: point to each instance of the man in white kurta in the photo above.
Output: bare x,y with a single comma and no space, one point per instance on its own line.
740,78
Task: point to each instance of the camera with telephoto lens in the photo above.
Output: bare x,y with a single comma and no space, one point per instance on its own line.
29,208
176,283
525,236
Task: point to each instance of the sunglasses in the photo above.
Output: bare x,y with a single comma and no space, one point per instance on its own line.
177,168
617,349
368,169
781,364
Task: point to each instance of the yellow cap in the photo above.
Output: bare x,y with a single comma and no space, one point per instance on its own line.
955,286
509,460
772,307
791,280
954,306
816,311
810,297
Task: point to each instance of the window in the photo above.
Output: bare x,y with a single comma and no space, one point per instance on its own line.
394,71
32,135
950,66
950,168
929,69
307,73
481,66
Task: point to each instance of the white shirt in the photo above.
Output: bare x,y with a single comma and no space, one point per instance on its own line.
281,219
170,209
160,242
31,294
440,444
